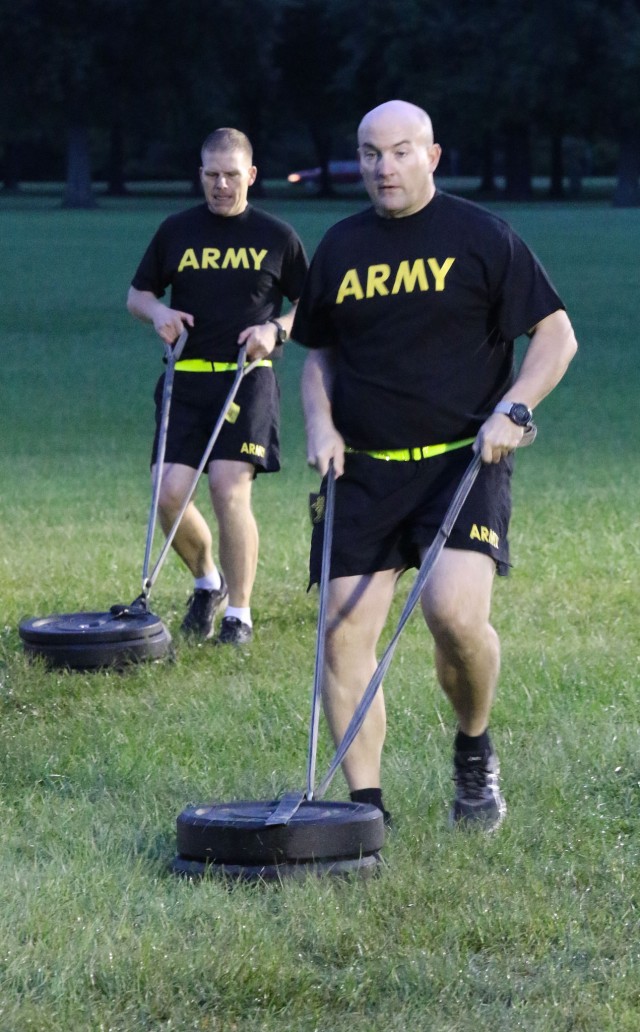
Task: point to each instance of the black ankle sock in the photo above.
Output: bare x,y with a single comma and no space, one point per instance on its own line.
373,796
471,744
368,795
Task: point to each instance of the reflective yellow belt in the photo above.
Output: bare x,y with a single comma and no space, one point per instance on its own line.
202,365
415,454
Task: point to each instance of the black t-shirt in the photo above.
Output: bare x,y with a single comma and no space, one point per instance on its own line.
422,312
228,272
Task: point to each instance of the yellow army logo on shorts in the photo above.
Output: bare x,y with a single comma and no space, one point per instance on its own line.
253,449
485,534
316,507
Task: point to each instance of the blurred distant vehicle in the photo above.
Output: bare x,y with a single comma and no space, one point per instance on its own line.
340,173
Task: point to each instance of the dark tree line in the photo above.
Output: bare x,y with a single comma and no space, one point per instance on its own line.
120,86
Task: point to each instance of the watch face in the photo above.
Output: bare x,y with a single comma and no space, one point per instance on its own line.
520,414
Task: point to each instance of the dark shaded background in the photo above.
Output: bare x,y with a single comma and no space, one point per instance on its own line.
125,90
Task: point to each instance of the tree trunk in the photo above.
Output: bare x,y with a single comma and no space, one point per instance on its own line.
574,161
488,180
322,144
78,192
627,191
326,185
116,186
11,171
517,161
556,178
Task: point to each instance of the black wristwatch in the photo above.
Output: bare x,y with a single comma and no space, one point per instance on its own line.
516,411
281,333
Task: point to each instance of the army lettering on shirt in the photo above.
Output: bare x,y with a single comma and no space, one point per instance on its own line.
422,313
214,258
406,277
229,273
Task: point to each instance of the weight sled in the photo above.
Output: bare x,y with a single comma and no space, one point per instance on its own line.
91,640
363,867
125,634
237,833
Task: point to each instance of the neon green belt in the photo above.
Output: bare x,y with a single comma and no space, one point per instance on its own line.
202,365
413,454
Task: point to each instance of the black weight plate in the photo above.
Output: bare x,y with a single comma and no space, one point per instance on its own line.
86,628
235,833
361,867
95,655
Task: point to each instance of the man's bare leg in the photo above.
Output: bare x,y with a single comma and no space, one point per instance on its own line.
192,541
356,614
230,486
456,603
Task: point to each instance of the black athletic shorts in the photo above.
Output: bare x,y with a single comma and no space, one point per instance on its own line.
250,435
387,511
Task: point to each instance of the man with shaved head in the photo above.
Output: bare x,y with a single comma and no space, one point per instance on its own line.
410,312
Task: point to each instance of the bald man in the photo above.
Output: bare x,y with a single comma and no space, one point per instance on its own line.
410,312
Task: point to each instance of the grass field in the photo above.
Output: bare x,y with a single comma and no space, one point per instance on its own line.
537,928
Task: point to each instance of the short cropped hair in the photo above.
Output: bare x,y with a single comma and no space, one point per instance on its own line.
226,140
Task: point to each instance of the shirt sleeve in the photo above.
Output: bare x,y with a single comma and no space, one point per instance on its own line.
525,292
150,274
294,268
311,326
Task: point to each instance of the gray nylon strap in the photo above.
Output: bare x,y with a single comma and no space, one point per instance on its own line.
241,372
172,354
428,562
292,801
325,576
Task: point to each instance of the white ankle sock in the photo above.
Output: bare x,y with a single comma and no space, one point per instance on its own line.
211,582
242,614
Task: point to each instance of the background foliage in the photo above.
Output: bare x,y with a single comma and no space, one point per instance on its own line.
123,89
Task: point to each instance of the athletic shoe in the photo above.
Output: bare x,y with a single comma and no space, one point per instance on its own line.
234,632
202,608
478,800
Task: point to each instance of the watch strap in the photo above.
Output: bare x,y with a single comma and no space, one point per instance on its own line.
506,408
280,331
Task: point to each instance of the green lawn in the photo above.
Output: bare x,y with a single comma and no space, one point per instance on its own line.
535,929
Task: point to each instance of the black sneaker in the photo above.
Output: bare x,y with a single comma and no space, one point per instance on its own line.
234,632
202,608
478,800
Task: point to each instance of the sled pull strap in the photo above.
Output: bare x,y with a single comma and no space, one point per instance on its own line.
241,372
431,556
292,801
286,808
171,355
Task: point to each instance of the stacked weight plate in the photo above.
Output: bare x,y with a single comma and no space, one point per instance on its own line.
232,840
89,641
